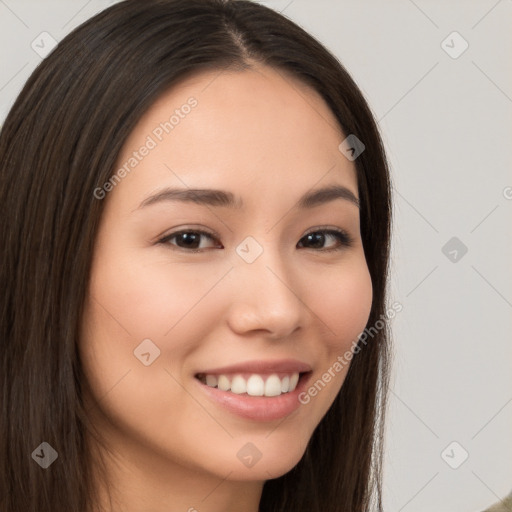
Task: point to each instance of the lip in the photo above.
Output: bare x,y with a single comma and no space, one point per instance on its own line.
256,408
261,367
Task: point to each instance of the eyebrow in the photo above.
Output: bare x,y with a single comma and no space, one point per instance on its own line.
223,198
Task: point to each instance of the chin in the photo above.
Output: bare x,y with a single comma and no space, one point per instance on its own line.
264,458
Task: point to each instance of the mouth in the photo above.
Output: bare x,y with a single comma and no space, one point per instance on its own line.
253,384
259,391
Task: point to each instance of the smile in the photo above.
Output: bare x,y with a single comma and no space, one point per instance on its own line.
253,384
256,390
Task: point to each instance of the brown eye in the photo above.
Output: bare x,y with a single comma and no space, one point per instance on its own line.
189,240
317,239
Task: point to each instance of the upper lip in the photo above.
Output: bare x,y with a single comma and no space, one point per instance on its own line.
260,366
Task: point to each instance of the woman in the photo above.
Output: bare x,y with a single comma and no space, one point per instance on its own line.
195,239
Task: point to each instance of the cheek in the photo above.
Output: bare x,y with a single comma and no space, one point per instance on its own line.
137,299
133,300
128,304
342,299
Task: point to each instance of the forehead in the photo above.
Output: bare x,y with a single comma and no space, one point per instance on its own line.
255,130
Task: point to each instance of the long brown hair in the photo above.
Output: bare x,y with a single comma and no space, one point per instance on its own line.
59,143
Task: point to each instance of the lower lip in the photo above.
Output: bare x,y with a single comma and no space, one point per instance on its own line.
258,408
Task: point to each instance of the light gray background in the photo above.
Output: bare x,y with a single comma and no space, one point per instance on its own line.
447,127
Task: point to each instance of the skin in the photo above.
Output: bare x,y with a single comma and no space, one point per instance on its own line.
267,138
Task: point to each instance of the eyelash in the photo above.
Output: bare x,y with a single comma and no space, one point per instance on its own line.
343,237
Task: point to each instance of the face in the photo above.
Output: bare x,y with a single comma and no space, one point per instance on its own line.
191,295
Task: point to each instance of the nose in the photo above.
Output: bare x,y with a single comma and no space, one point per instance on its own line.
267,297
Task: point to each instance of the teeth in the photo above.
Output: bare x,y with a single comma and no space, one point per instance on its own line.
293,381
223,383
255,385
211,380
239,385
285,384
273,386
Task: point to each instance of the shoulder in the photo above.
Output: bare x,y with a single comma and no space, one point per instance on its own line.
505,505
